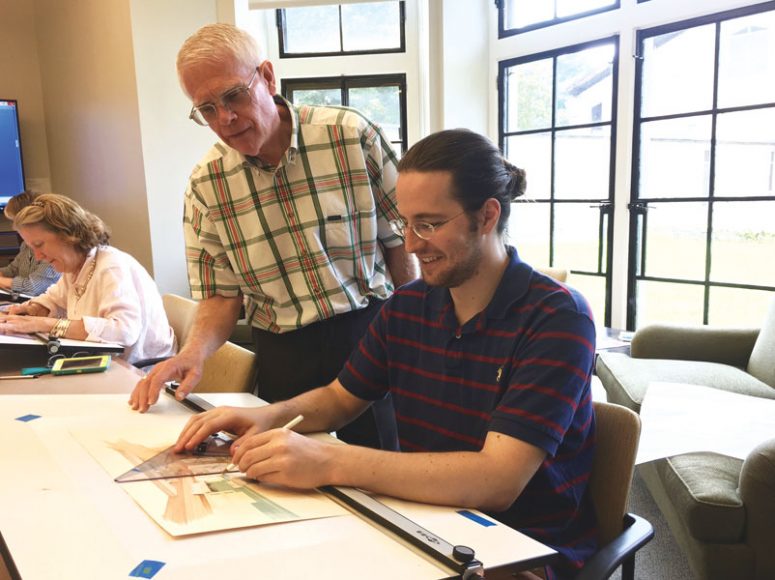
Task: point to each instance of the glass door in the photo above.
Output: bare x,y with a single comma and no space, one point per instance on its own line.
702,211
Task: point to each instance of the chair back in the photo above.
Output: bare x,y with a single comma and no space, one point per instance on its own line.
228,369
559,274
617,431
180,314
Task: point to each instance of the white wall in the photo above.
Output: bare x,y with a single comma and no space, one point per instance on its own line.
460,63
99,98
20,79
92,125
171,142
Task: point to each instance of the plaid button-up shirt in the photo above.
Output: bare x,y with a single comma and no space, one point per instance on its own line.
303,240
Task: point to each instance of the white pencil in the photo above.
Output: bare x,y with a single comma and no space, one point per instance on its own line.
289,425
293,422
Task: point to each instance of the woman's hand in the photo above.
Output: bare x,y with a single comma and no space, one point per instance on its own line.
28,308
15,324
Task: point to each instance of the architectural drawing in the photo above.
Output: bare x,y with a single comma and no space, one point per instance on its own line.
189,494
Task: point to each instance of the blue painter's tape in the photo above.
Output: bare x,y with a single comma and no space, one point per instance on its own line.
476,518
27,418
147,569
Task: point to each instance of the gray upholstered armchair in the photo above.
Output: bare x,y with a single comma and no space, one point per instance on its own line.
720,509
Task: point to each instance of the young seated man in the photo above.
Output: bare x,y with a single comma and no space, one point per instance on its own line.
488,363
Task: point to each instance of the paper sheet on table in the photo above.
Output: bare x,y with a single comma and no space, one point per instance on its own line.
197,503
34,341
680,418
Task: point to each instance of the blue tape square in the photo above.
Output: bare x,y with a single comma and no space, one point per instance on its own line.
27,418
147,569
476,518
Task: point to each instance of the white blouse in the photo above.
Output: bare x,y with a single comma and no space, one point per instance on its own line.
119,303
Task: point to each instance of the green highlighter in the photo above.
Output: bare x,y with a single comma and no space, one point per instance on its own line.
36,371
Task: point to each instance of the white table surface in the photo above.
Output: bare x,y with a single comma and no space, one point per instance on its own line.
62,516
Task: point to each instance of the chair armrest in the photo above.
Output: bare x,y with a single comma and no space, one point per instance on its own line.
637,533
757,490
730,346
149,362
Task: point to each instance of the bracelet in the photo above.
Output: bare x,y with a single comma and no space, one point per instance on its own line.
60,327
54,332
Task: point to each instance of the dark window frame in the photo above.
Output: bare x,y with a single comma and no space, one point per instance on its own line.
504,32
344,83
638,207
280,22
605,238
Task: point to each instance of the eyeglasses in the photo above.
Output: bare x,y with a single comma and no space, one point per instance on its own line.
232,100
423,230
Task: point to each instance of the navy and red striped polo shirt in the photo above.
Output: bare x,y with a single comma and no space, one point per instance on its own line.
521,367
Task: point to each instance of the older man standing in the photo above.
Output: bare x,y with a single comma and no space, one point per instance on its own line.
290,210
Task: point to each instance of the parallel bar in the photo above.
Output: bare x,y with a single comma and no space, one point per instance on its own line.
193,402
433,545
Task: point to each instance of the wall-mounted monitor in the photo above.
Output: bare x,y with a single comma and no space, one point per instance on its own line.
11,169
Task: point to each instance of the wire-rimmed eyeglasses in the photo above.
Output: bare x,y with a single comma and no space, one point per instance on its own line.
423,230
234,99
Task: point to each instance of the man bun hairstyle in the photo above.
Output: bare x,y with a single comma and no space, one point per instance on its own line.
478,169
518,184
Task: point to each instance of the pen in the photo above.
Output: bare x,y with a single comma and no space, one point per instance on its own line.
289,425
9,377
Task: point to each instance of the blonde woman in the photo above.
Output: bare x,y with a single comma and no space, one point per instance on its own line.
104,294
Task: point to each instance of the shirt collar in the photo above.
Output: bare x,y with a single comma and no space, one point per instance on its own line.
293,148
512,288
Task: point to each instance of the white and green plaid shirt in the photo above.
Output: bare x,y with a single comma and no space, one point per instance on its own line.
302,241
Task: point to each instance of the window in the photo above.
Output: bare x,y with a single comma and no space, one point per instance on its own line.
341,29
517,16
558,113
381,98
703,198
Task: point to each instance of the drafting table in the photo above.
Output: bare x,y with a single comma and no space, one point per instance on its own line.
63,516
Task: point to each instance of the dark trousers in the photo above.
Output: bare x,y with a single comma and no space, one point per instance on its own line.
295,362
